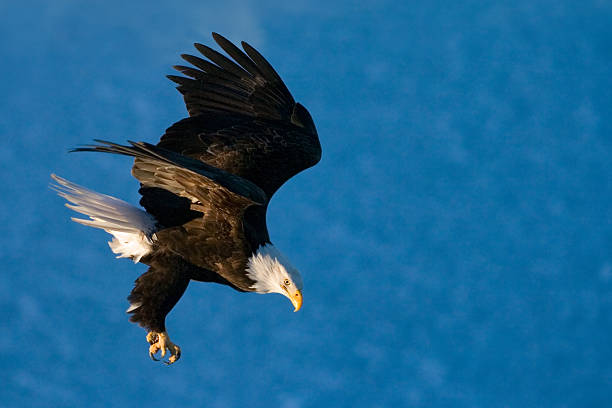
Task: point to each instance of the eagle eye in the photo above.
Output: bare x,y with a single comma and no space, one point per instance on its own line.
287,282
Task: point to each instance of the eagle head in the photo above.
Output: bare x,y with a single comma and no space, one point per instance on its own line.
272,273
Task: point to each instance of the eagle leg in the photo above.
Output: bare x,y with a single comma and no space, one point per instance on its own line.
155,293
161,342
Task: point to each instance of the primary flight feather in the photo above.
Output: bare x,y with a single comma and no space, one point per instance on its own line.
206,187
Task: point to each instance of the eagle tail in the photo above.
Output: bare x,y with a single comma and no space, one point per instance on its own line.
131,227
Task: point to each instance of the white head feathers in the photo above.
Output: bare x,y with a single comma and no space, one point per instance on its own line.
268,268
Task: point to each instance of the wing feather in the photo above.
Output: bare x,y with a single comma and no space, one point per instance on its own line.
249,79
243,119
239,56
221,60
156,167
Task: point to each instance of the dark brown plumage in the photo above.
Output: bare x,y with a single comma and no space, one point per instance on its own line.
208,181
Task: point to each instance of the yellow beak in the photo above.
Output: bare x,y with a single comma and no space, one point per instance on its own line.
296,299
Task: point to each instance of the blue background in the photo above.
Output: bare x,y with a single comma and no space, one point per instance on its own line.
454,240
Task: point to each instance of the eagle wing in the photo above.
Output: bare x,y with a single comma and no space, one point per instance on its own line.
156,167
248,85
217,197
243,118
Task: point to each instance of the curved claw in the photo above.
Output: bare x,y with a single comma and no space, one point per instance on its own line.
152,339
161,342
174,355
153,349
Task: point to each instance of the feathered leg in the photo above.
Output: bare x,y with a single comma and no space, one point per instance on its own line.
155,293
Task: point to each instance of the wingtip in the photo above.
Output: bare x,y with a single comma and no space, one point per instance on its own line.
176,79
219,39
105,143
246,45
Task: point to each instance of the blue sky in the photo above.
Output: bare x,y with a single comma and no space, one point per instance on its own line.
455,240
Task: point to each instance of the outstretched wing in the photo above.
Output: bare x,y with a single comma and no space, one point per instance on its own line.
156,167
243,118
248,85
213,240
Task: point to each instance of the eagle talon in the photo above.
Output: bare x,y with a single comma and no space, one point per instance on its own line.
153,349
160,342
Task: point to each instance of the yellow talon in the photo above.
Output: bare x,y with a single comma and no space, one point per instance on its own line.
161,342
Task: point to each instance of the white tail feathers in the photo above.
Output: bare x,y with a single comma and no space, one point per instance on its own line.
133,306
131,227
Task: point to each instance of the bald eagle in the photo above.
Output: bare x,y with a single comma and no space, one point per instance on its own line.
205,188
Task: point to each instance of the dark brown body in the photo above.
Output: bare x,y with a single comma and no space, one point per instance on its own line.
208,181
